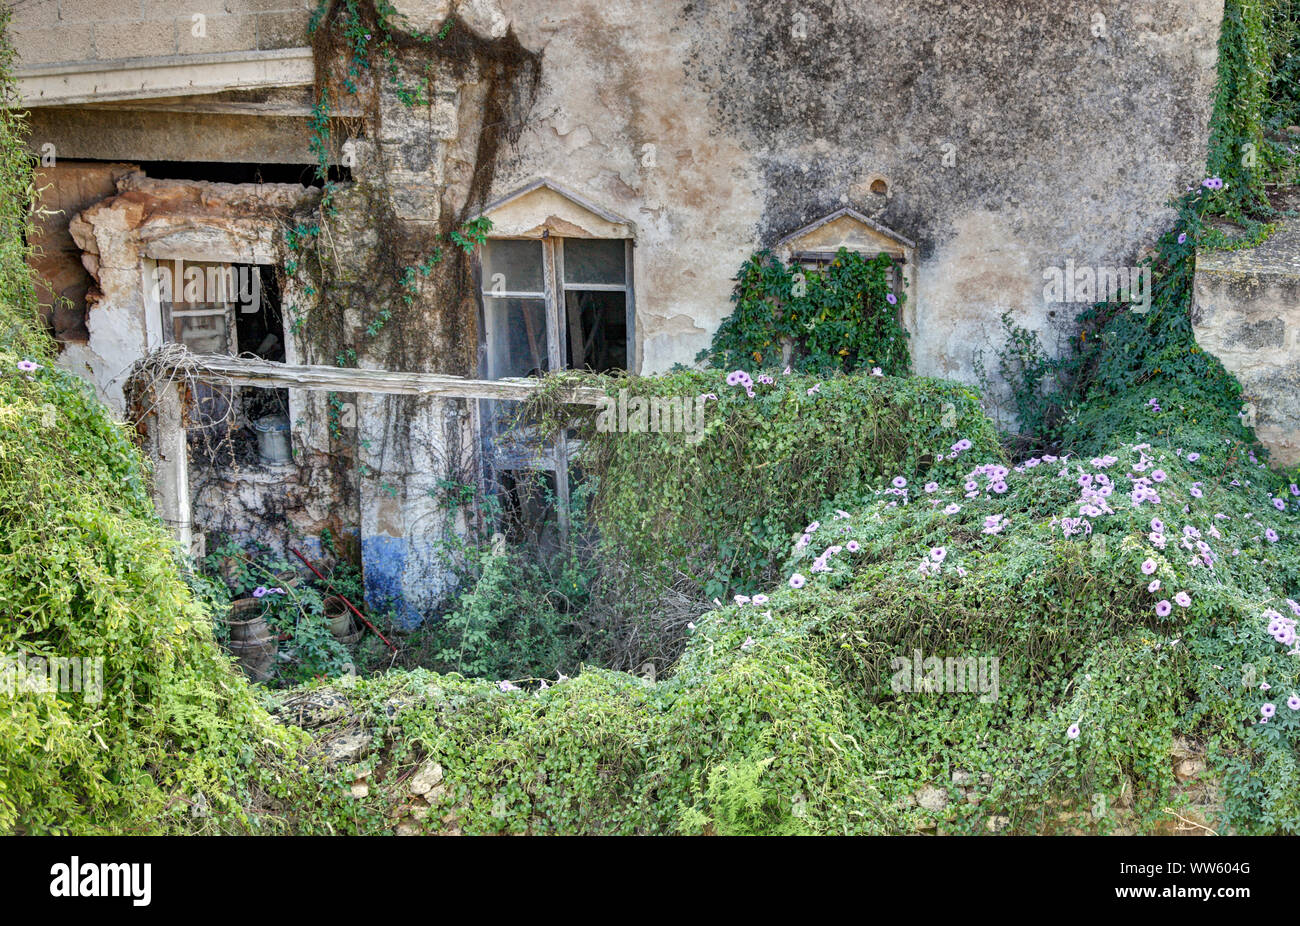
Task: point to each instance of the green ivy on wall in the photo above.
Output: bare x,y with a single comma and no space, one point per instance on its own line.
838,319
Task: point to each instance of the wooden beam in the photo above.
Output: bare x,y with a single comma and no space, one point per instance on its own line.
241,371
163,76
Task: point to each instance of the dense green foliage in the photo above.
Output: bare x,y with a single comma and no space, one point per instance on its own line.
817,499
727,501
783,715
836,319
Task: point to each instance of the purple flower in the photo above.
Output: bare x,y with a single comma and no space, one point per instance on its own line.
1183,599
1279,504
1154,586
1293,702
1073,732
797,581
1182,239
891,299
1270,535
932,487
1163,607
735,377
899,482
1148,567
1195,491
27,366
741,599
994,524
1193,457
952,508
1158,475
260,591
876,371
938,554
816,388
507,686
760,600
1268,709
749,642
853,546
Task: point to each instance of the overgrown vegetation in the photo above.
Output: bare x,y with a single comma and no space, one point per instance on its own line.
839,318
1139,597
1120,359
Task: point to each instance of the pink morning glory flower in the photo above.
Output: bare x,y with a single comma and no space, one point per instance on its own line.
938,554
1268,709
1163,608
1293,702
797,581
1183,599
1148,567
1073,732
1154,586
27,366
853,546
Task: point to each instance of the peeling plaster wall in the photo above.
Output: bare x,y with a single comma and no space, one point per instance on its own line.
121,237
1065,144
1246,312
150,220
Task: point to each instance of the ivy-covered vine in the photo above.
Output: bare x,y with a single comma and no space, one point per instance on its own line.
844,317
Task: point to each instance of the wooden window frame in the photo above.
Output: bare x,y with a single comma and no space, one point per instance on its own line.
554,298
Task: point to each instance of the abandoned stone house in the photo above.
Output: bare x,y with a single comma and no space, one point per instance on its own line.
629,154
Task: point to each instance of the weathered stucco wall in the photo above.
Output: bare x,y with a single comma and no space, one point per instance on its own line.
1246,311
763,117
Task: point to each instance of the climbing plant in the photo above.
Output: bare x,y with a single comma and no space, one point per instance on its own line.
844,317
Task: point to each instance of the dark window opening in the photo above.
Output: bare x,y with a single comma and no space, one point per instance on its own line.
234,172
597,330
260,327
527,500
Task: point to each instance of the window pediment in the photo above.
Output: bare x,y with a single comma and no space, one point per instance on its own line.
543,208
844,228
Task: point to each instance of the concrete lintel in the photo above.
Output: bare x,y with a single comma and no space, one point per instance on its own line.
165,76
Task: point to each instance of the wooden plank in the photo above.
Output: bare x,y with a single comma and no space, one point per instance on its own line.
253,372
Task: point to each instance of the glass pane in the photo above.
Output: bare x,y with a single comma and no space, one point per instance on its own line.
514,331
594,261
512,266
597,330
201,333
